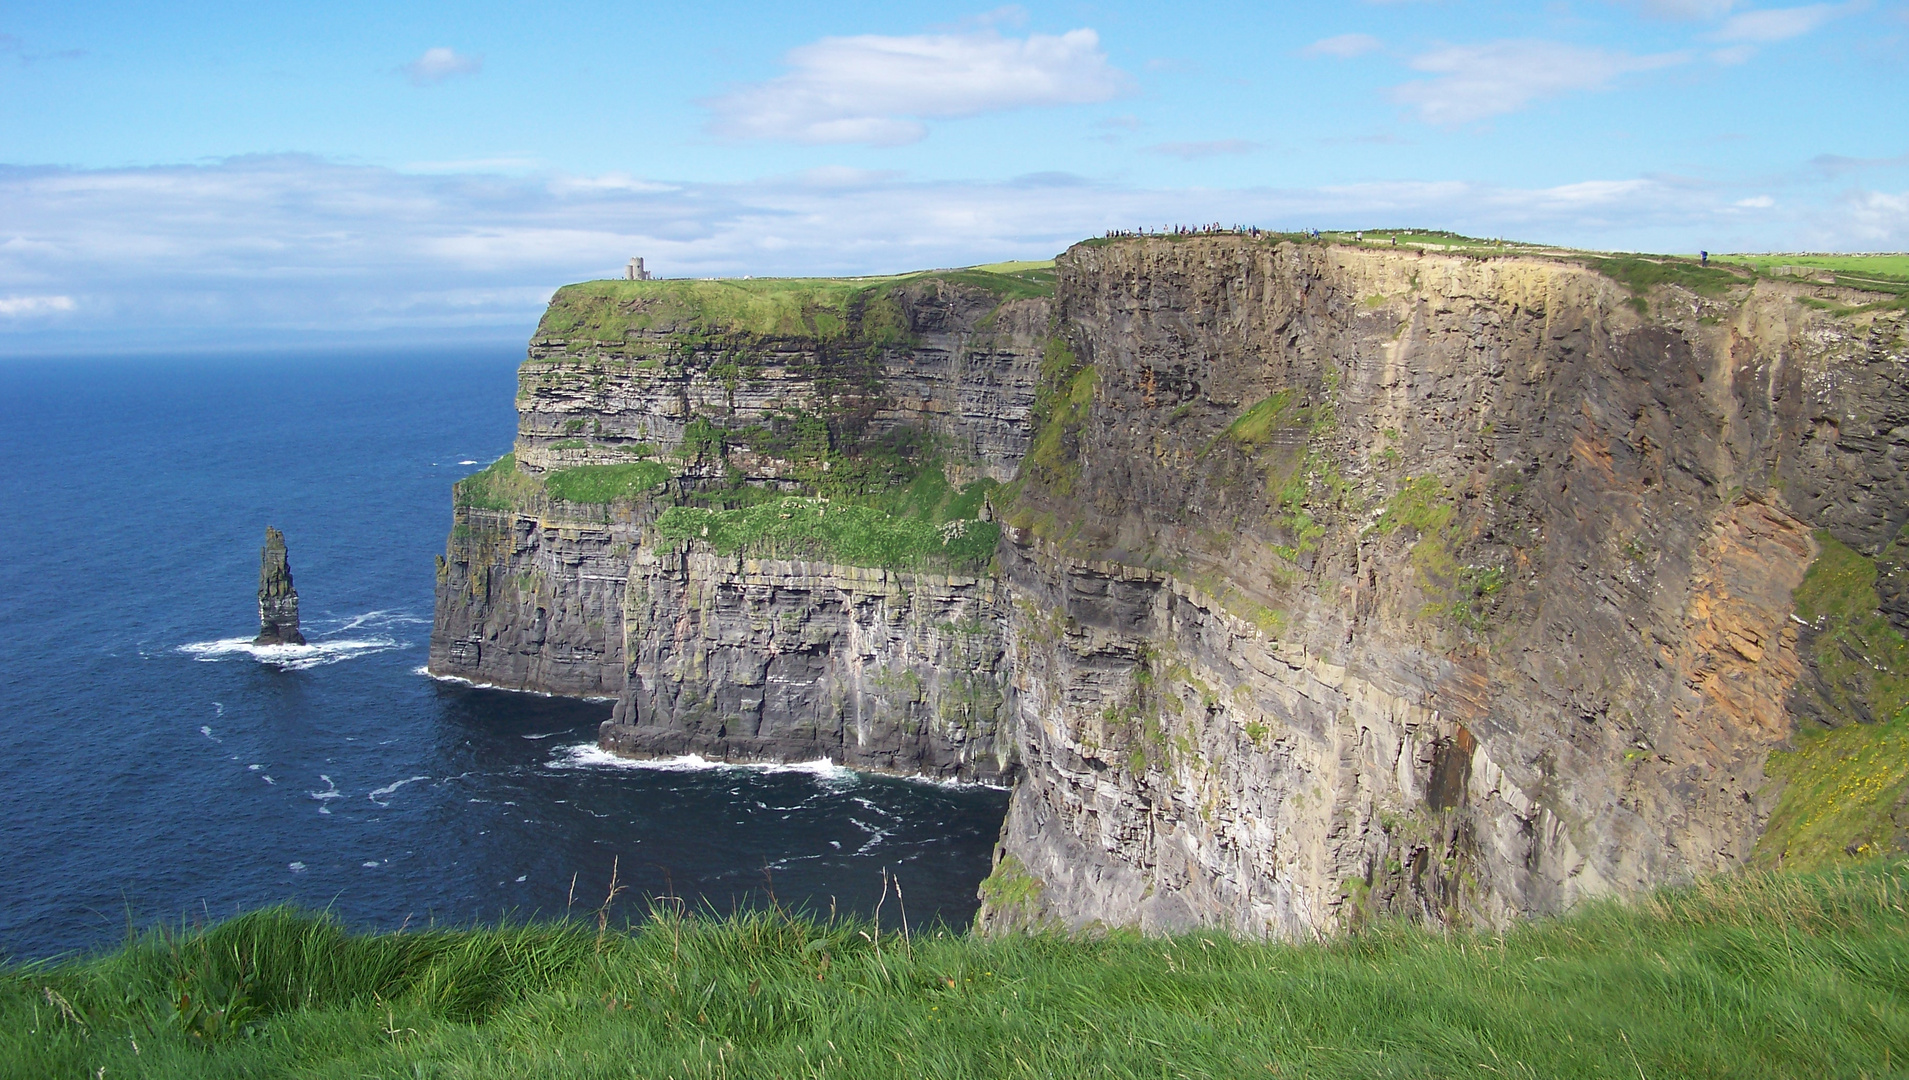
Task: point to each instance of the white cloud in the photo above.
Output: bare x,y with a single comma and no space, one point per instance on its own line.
1477,81
277,249
1683,9
439,64
18,307
878,90
1876,220
1756,202
1344,46
1195,150
1777,24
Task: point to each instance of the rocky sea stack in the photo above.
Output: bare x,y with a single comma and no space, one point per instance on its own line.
278,601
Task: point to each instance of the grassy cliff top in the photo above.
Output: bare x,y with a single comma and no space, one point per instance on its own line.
808,307
1751,975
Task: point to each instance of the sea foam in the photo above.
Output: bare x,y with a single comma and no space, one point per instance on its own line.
592,756
289,657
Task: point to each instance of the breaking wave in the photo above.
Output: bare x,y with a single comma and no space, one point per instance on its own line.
323,649
290,657
592,756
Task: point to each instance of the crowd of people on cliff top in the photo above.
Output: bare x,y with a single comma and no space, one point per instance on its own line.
1214,229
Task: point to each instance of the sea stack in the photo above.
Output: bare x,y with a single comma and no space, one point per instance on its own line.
278,601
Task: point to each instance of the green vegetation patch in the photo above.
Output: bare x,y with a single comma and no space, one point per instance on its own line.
1844,797
498,487
1752,975
1844,793
822,308
1257,423
1640,274
1422,505
795,527
1879,273
606,483
1861,660
1061,405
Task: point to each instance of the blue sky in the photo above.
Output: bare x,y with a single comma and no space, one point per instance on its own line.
207,174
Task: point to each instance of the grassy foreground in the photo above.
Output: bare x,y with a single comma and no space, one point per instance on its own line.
1756,975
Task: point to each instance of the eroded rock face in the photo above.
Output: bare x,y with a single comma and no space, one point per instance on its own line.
278,601
1335,582
741,659
737,658
1488,611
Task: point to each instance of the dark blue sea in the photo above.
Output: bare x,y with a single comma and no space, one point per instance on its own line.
155,771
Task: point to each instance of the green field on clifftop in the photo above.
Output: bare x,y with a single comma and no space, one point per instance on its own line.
1749,976
808,307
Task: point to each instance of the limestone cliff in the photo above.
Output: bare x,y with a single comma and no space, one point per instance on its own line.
841,439
1350,581
1334,580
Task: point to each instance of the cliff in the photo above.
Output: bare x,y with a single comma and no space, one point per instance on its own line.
1335,580
752,511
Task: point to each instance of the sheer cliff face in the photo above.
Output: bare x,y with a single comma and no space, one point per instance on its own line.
1332,581
767,652
1358,581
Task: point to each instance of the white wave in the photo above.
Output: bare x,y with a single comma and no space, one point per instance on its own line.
206,730
219,709
331,792
954,782
425,671
378,795
289,657
296,868
374,619
592,756
467,461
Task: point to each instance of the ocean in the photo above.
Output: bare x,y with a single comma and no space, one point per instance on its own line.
159,770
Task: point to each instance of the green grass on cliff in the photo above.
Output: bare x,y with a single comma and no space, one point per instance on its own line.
606,483
793,527
1753,976
823,308
497,487
1843,794
1884,273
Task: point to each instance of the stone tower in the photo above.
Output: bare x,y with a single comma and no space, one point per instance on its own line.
278,601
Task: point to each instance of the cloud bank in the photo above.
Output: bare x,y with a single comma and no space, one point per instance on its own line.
878,90
1475,82
299,250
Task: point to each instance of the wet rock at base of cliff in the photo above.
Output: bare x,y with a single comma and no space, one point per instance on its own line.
278,601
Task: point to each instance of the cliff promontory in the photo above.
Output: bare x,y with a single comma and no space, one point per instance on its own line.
1289,582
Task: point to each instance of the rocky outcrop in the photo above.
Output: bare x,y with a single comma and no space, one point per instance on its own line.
1333,582
278,601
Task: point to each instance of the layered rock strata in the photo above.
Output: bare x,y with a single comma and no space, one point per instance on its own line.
738,657
1335,581
278,601
1426,584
